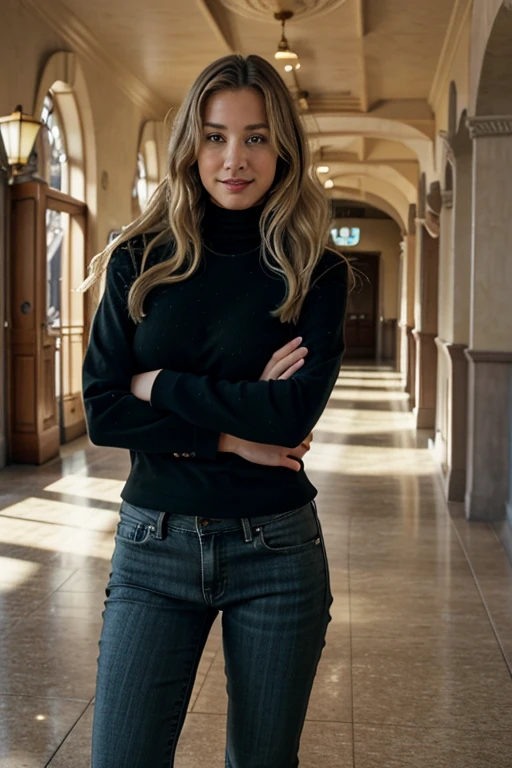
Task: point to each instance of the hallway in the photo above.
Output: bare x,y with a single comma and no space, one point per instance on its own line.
417,668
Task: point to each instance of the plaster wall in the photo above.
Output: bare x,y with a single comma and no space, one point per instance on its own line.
483,18
446,274
491,318
458,72
26,44
380,236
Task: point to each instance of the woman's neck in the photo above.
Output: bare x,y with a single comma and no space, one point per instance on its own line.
229,231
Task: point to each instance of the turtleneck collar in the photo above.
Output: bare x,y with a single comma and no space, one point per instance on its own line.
231,232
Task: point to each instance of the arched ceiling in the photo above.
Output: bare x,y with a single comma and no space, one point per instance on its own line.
359,186
367,68
493,96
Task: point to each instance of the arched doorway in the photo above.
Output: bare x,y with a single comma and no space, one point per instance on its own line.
62,167
48,261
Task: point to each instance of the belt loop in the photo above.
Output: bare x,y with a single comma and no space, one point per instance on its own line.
247,528
160,525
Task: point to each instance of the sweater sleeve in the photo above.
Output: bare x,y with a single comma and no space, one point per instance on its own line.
277,412
114,416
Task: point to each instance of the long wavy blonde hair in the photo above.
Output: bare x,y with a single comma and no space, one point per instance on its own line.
294,224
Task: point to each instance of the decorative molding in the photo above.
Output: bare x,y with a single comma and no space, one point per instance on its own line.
447,142
216,18
491,125
459,17
411,221
83,42
418,335
263,10
433,200
484,356
432,224
334,105
361,60
447,198
452,350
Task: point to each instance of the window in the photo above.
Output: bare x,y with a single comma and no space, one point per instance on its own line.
54,160
140,193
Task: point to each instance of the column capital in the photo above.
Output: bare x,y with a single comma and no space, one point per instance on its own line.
447,140
447,198
487,126
488,356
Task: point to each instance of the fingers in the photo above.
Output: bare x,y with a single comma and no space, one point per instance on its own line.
286,367
280,354
307,442
291,464
291,370
285,361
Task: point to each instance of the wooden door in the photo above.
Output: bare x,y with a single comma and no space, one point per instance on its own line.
362,308
36,422
3,309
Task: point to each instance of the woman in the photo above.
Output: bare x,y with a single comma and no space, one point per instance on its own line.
195,365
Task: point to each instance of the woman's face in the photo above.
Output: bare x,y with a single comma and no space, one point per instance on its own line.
236,145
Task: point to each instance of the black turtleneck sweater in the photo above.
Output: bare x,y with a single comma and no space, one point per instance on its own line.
212,335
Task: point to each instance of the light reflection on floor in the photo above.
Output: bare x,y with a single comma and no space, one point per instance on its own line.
416,672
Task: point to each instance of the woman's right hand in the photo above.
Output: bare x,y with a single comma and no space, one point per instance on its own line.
268,455
282,365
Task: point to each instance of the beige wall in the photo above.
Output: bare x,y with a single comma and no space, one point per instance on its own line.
26,44
380,236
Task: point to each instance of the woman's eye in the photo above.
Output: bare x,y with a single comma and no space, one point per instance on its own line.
214,137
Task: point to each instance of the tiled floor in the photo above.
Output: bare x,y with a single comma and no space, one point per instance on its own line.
416,672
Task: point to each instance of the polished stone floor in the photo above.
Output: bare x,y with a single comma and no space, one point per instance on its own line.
416,672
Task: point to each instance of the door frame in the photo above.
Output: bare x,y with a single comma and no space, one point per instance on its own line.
34,424
4,298
377,297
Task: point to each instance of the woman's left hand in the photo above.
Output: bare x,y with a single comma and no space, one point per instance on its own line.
142,384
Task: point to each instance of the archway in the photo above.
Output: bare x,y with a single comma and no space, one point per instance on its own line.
57,327
371,238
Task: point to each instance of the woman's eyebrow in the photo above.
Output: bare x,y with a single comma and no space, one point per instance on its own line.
220,127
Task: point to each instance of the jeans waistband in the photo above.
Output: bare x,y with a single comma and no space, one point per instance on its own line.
195,524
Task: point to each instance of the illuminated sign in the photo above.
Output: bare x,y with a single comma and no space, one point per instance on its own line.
346,236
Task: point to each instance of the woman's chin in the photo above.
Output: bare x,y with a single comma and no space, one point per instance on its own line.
236,202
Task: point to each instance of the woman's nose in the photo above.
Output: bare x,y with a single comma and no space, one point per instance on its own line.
235,156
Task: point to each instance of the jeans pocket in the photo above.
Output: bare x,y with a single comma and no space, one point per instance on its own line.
295,532
136,525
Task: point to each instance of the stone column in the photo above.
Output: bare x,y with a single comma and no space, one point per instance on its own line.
425,331
445,297
407,306
490,339
454,337
3,314
411,344
402,311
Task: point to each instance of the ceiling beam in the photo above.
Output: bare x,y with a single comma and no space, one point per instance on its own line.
349,157
85,44
458,20
360,30
217,18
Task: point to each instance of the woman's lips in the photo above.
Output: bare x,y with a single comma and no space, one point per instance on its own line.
236,186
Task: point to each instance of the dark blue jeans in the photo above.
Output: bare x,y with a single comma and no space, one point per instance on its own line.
171,575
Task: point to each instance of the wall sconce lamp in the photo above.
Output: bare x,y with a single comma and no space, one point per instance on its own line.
19,132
